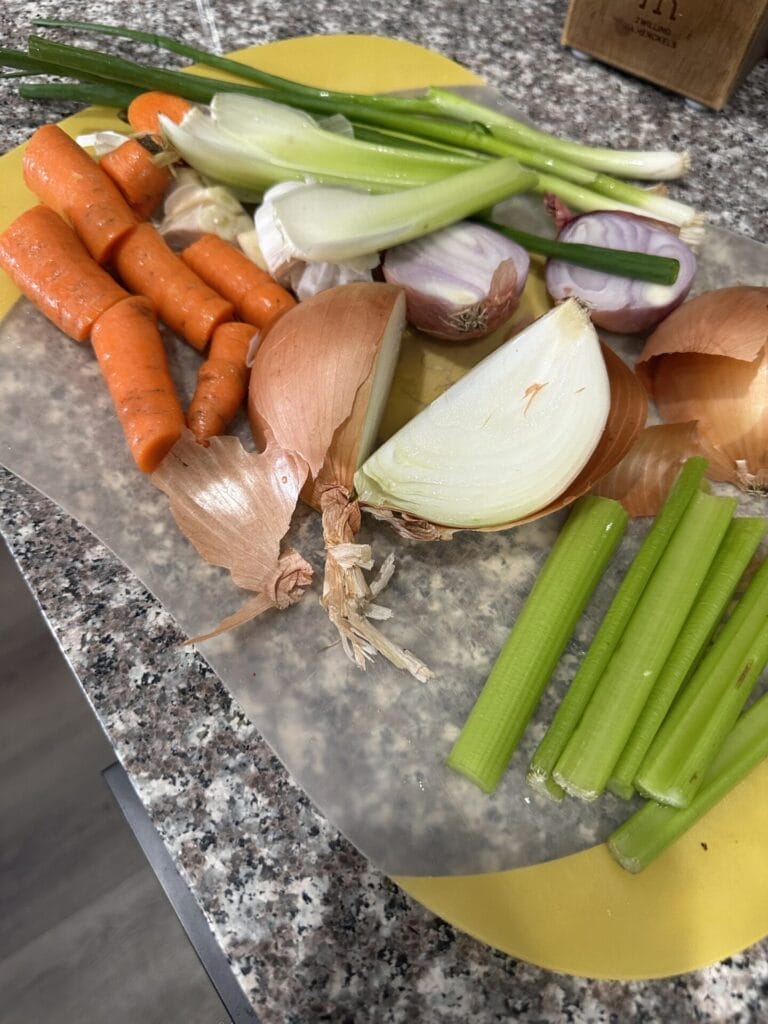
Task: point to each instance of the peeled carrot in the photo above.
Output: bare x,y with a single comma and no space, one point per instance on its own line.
148,266
132,358
50,266
222,381
142,182
63,176
258,298
144,110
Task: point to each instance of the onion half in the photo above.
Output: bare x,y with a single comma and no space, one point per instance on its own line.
708,363
621,304
505,440
460,283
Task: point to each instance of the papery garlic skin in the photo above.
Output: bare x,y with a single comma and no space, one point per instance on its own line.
506,439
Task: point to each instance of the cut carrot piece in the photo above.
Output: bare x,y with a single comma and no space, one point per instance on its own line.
222,382
50,266
142,182
148,266
144,110
257,297
63,176
132,358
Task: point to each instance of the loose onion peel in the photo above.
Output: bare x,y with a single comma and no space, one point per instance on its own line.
319,383
708,363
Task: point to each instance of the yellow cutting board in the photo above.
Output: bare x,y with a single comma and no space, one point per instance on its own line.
707,896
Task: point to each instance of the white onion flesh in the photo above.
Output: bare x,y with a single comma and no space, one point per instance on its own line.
507,438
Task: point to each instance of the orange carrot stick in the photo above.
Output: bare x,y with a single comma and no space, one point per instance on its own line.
142,182
132,359
148,266
222,381
64,177
258,298
144,110
50,266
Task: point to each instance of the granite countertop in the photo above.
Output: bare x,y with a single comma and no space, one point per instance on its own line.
313,931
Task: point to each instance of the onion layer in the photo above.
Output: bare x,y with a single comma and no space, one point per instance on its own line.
505,440
621,304
708,362
460,283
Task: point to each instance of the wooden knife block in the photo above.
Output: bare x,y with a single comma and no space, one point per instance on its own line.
701,49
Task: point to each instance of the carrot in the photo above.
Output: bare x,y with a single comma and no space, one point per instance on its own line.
142,182
50,266
222,381
64,177
144,110
132,359
148,266
258,298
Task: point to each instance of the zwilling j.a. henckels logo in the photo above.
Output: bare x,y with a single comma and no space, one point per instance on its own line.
654,25
662,8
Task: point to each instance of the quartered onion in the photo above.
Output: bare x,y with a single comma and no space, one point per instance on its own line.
461,282
621,304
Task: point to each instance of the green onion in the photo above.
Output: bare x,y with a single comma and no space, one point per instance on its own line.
546,622
709,705
733,556
99,93
638,164
622,262
592,751
649,831
612,627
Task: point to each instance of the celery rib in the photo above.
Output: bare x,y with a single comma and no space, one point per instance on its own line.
593,749
613,625
654,827
709,705
732,558
534,646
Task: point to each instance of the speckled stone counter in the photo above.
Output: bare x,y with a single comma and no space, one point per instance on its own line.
312,931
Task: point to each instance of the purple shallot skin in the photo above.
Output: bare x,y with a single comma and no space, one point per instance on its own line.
461,282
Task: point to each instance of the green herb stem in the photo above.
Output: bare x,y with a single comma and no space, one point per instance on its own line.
733,556
613,625
622,262
546,622
710,703
593,749
651,829
99,93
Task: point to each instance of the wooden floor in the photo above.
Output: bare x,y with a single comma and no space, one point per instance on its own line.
86,933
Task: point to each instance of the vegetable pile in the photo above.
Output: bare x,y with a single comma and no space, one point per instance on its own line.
291,236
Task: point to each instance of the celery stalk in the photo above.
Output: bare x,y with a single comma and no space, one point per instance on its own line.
542,629
590,756
612,627
650,830
733,556
710,703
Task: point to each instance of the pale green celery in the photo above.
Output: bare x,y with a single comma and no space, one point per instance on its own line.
640,839
655,165
546,622
733,556
613,625
707,708
321,223
292,148
593,749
